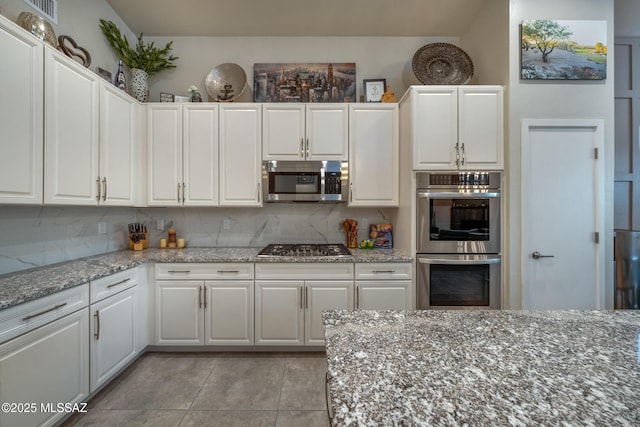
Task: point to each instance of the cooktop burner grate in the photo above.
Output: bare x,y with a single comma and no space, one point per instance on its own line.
304,250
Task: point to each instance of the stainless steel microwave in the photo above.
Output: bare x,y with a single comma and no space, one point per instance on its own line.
304,181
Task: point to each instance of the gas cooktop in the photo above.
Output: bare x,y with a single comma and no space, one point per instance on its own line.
304,250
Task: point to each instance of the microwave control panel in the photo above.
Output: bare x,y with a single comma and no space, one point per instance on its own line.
332,183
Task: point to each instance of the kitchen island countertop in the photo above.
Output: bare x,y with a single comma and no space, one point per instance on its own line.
482,367
27,285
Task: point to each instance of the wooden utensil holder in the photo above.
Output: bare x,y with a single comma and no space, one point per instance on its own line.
142,244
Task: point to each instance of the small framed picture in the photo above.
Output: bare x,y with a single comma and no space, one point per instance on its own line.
104,74
373,89
179,98
166,97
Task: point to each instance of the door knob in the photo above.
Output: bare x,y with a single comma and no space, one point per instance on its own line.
538,255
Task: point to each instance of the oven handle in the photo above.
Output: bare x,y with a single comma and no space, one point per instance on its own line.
459,195
473,261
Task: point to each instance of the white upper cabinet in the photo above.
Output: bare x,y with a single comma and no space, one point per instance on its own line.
118,140
374,155
21,112
240,154
183,154
455,127
71,132
305,132
91,137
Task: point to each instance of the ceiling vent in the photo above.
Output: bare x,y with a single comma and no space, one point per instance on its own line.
48,8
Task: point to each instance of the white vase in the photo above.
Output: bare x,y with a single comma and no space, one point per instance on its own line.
139,87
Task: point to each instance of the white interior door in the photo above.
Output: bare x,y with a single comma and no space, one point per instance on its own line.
562,209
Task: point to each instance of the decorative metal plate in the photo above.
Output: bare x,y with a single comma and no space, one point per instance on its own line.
442,64
226,82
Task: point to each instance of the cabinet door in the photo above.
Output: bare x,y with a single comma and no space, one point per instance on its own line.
481,127
279,312
118,132
434,123
200,148
48,365
320,296
374,155
21,111
71,131
179,313
283,132
240,154
229,312
112,336
327,132
383,295
164,136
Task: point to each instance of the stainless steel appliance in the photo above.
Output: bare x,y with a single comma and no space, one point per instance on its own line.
305,181
458,240
304,250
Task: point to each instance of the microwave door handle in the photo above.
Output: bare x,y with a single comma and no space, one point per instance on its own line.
458,261
461,195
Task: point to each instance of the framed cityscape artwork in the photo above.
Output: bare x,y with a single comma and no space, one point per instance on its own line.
329,82
563,50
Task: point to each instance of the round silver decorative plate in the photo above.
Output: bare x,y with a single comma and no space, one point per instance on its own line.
226,82
442,64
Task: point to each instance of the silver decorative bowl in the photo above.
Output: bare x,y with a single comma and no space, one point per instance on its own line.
38,26
226,82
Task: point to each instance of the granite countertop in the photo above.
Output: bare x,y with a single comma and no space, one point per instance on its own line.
473,367
27,285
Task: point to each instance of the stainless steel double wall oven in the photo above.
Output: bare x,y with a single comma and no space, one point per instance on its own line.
458,246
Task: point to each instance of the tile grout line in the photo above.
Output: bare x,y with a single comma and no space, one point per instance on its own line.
284,372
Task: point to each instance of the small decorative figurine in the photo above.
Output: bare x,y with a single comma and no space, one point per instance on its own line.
121,80
388,96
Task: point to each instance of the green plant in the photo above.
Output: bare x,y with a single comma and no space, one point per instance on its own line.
144,56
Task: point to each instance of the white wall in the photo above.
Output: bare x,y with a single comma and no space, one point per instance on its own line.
375,57
80,19
627,18
556,99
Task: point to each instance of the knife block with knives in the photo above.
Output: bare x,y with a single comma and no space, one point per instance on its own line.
138,236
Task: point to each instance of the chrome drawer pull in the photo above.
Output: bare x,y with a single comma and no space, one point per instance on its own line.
97,333
383,271
179,271
118,283
229,271
55,307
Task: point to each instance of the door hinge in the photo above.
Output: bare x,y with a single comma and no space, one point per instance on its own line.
596,237
595,153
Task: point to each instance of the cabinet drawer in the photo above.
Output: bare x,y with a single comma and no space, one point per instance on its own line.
23,318
384,271
110,285
204,271
304,271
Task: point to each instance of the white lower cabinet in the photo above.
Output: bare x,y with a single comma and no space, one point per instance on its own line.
113,325
383,286
290,299
204,304
46,366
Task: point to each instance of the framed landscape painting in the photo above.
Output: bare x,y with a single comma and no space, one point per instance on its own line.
563,50
304,82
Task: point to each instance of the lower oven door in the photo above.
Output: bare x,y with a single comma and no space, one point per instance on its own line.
458,281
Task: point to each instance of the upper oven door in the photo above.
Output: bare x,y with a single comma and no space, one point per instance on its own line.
458,222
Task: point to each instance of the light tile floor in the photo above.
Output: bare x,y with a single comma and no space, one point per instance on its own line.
214,389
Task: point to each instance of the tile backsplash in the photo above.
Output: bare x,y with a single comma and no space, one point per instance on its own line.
36,236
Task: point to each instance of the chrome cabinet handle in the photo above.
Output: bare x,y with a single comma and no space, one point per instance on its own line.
97,333
464,155
205,297
302,148
55,307
357,296
351,191
383,271
306,297
118,283
104,184
200,296
178,193
258,192
178,271
228,271
301,298
307,147
99,189
538,255
457,155
183,192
